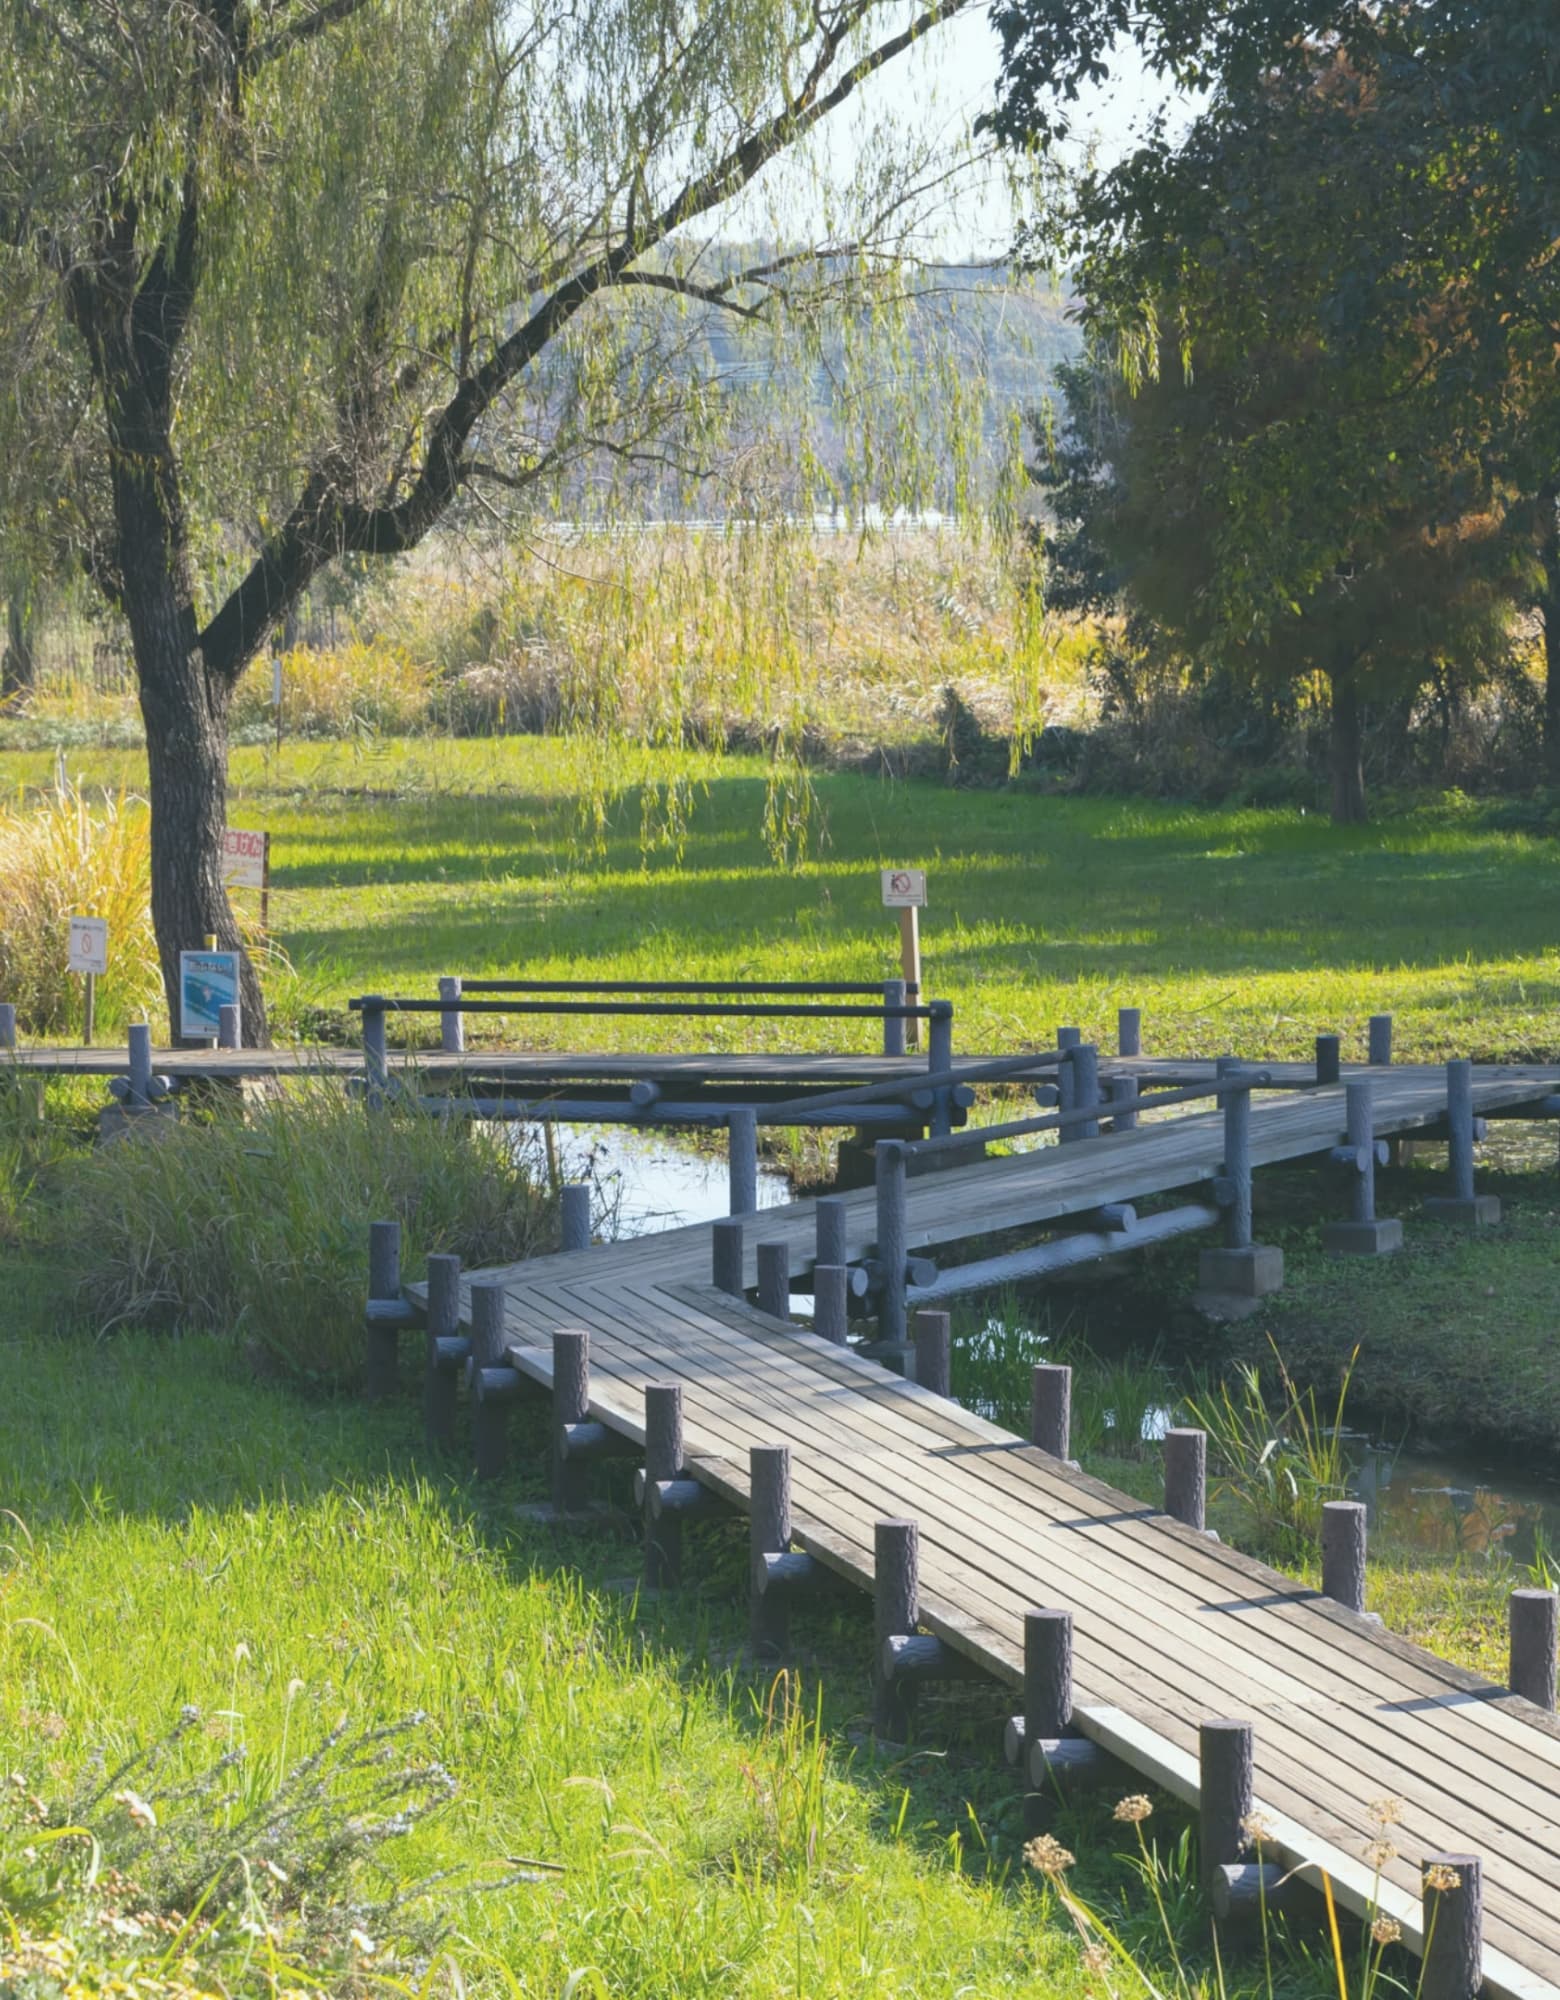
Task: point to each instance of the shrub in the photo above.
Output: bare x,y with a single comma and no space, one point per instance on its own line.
255,1223
339,691
59,859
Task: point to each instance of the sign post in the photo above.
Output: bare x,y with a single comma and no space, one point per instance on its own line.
87,952
904,890
208,982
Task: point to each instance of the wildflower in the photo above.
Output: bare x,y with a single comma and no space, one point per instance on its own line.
137,1808
1047,1856
362,1943
1256,1828
1385,1812
1440,1877
1386,1930
1133,1810
1096,1959
1379,1852
271,1869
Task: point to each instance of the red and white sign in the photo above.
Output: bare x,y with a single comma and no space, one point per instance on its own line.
244,857
904,888
87,945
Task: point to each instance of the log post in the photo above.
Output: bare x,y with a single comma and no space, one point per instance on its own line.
574,1216
1041,1740
1452,1902
1123,1096
1085,1062
1462,1205
933,1351
386,1313
939,1045
1329,1052
7,1025
831,1303
1535,1631
774,1279
452,1022
1343,1553
1067,1039
1379,1041
1129,1031
447,1351
663,1462
742,1159
570,1417
376,1053
1224,1814
893,1025
896,1609
769,1534
494,1383
892,1236
726,1247
230,1027
1050,1408
140,1043
829,1230
1186,1477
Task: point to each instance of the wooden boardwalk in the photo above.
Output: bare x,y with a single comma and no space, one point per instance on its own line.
1171,1628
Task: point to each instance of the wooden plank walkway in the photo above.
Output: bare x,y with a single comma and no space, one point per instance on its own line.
1170,1627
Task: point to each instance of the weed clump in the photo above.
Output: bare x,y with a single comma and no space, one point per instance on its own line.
254,1221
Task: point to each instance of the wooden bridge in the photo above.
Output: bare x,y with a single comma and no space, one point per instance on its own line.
1170,1630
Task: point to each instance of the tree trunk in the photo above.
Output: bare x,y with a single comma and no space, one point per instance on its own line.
1549,609
19,669
183,704
1345,752
186,716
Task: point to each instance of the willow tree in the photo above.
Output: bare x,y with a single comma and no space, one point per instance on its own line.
288,281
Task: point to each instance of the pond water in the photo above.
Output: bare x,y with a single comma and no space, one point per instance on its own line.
646,1181
1451,1504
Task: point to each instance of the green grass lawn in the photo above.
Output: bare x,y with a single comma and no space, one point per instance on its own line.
178,1530
1233,930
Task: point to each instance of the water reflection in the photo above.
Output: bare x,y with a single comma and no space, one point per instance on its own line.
647,1181
1448,1505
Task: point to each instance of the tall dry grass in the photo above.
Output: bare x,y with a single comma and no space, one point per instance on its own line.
62,856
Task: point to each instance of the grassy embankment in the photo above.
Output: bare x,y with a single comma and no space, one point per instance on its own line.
192,1534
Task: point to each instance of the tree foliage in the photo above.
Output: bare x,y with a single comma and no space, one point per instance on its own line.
1330,311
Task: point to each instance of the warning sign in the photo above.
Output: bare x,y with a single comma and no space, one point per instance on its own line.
904,888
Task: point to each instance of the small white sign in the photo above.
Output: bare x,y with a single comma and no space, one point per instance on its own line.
244,857
208,982
904,888
88,944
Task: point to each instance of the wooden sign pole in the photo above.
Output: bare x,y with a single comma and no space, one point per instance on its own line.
910,966
90,1020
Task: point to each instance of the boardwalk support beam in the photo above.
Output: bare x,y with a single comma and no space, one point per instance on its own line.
1241,1269
892,1235
1129,1031
452,1023
663,1465
574,1216
1364,1234
831,1303
742,1159
387,1314
1041,1742
447,1352
1233,1885
577,1438
1462,1205
1329,1051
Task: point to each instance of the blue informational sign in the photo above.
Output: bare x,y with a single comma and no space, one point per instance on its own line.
208,982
